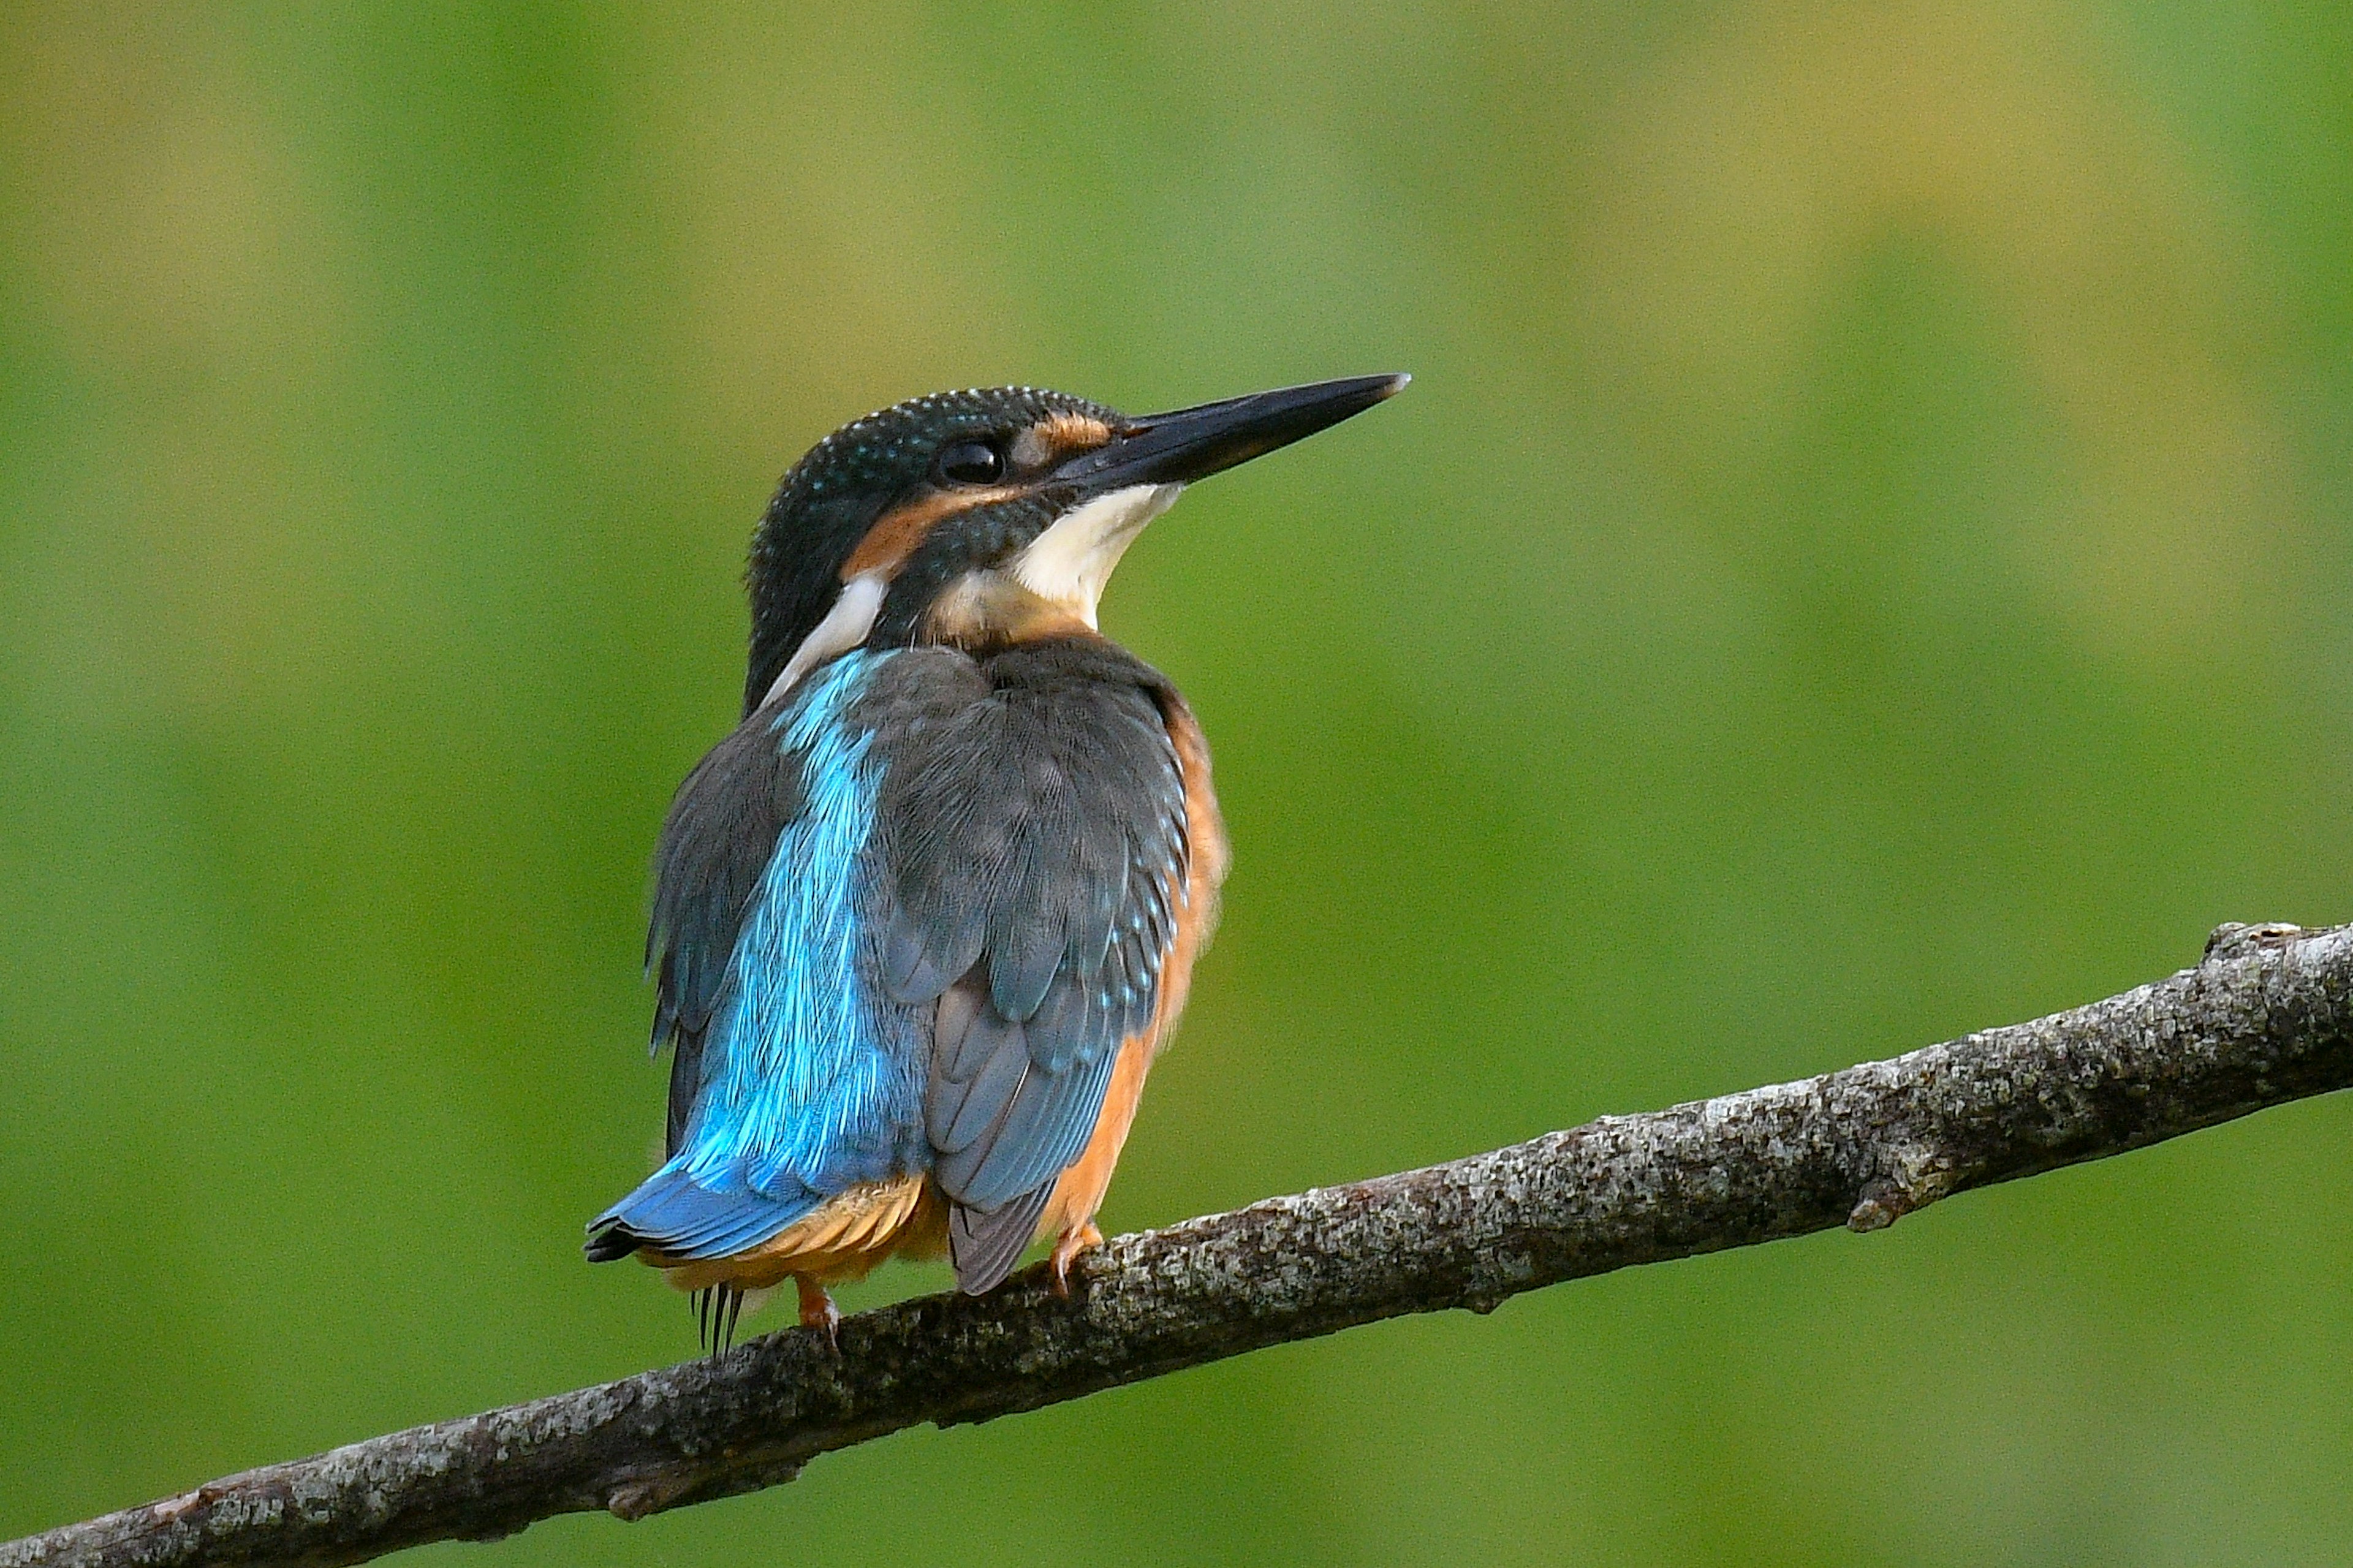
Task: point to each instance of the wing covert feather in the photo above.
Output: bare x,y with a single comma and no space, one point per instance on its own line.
1034,836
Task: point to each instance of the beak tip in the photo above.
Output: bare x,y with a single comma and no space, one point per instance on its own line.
1362,392
1190,444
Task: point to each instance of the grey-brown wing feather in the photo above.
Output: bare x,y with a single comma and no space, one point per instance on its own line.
1034,827
986,1243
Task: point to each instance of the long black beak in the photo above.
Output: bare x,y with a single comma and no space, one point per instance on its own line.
1193,443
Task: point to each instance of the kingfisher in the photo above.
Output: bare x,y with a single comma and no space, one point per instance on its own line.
922,921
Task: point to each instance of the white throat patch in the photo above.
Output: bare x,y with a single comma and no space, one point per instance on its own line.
1069,562
843,628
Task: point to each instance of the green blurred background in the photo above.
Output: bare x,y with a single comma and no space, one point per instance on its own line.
1866,556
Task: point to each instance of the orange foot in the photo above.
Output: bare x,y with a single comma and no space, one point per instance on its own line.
818,1311
1067,1250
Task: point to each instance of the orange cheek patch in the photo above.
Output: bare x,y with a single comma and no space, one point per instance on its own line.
1057,439
1068,435
897,532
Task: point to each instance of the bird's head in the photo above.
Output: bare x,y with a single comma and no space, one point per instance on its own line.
989,515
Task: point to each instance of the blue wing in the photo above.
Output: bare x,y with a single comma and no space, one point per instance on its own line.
796,1076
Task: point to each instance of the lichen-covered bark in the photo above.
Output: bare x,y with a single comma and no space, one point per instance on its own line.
2266,1017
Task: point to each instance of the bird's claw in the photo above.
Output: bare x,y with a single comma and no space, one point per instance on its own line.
818,1311
1066,1252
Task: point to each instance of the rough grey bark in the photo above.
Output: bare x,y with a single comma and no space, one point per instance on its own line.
2268,1018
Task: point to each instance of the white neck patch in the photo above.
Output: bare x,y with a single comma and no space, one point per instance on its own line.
844,627
1069,562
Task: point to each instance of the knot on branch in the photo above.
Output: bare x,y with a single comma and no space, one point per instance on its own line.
2232,940
639,1495
1912,1179
1883,1203
633,1500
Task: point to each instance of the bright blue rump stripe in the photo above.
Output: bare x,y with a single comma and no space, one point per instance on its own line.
812,1079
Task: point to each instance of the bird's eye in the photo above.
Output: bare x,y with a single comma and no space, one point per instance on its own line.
971,463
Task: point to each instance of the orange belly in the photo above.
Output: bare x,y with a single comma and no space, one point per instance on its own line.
1079,1193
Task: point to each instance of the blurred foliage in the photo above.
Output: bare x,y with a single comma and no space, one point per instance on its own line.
1866,556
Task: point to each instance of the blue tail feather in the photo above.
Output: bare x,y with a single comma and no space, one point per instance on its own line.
674,1214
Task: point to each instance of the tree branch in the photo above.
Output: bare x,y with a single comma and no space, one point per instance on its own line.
2266,1017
